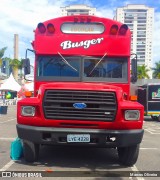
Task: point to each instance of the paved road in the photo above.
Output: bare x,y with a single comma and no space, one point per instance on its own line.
80,159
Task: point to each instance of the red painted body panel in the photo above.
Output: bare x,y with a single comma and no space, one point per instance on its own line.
113,45
118,46
119,123
125,87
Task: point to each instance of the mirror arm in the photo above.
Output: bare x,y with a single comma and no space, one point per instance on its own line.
27,79
29,50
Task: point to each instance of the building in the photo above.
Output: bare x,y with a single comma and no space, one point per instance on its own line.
139,19
77,9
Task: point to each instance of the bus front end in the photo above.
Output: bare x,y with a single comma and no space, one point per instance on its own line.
81,89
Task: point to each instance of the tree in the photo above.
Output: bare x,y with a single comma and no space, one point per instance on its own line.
156,70
15,65
142,72
2,51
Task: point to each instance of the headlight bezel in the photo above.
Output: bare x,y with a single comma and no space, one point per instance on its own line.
134,112
24,109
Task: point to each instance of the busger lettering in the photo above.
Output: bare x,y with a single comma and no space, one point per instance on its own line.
85,44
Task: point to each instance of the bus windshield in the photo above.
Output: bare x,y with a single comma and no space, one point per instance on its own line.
82,68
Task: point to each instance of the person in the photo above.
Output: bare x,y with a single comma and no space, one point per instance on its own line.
93,68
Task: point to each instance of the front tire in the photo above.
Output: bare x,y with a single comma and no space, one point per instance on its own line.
30,151
128,155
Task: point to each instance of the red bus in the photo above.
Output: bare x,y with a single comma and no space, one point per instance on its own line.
81,88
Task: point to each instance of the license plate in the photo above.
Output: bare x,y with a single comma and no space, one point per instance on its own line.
78,138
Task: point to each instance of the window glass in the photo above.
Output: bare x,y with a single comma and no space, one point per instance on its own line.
107,68
82,68
58,66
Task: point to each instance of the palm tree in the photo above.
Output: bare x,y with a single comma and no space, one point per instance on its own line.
156,70
142,72
15,65
2,51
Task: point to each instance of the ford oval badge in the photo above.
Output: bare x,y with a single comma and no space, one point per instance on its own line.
79,105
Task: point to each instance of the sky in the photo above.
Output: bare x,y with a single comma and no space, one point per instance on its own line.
22,16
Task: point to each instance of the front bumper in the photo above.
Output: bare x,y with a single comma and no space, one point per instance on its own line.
98,137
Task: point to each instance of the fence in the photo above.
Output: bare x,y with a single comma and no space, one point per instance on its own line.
7,102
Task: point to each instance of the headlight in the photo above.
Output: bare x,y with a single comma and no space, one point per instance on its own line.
132,115
28,111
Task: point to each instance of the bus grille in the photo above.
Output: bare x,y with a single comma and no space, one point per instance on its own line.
100,105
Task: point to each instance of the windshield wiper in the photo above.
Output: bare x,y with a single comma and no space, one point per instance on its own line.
97,64
66,62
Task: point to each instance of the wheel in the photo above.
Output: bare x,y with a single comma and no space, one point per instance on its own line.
128,155
30,151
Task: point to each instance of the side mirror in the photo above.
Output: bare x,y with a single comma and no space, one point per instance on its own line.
134,70
26,66
26,63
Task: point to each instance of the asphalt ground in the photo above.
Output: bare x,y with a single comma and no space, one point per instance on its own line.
71,163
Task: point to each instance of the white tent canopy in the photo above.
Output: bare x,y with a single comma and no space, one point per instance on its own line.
29,86
10,84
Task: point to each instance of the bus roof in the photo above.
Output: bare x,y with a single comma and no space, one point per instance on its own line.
82,35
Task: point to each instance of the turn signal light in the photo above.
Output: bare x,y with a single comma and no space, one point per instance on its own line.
50,28
28,93
114,29
123,29
133,98
41,28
